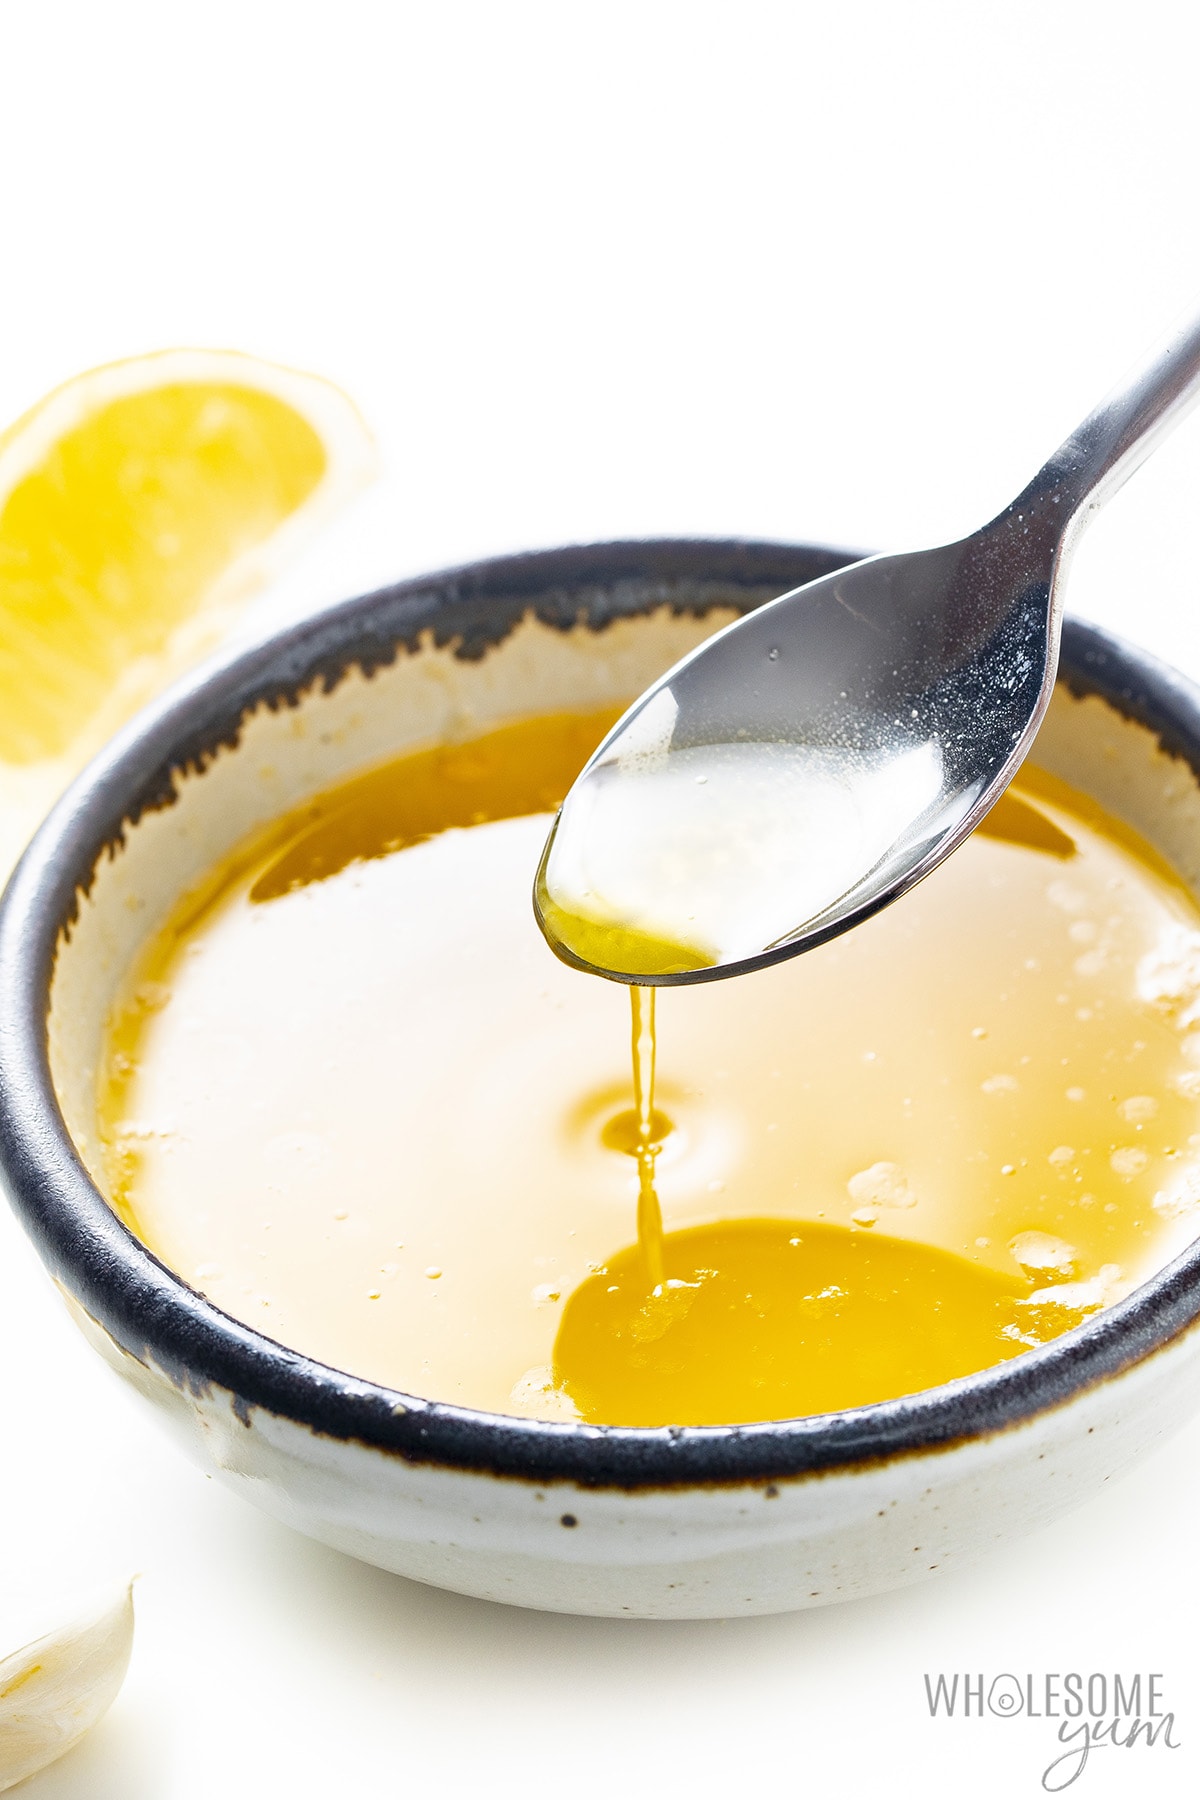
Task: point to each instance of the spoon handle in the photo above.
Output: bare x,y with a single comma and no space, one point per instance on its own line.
1102,453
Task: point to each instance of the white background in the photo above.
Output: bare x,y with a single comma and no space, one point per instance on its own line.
833,271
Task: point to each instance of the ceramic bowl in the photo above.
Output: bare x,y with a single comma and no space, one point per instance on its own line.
679,1523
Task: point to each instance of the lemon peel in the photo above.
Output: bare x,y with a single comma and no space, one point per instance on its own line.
53,1690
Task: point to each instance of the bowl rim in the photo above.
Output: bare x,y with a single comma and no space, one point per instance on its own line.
155,1317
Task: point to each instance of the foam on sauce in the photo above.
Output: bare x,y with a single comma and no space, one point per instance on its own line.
351,1095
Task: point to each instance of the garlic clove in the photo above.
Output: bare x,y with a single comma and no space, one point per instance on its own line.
54,1690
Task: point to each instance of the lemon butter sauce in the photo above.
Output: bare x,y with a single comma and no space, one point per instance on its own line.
351,1095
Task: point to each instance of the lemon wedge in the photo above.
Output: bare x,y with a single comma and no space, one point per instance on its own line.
54,1690
140,506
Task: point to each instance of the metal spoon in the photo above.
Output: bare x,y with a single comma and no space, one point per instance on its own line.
811,762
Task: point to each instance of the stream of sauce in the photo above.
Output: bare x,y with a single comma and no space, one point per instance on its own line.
649,1212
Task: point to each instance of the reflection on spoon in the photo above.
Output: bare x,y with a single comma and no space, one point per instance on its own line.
670,859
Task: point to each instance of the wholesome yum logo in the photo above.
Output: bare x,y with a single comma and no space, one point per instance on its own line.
1094,1712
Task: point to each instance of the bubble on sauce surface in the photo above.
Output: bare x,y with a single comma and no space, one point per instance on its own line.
1039,1253
1049,1311
536,1396
664,1307
883,1184
1000,1084
1078,1296
1066,896
1128,1160
1180,1198
1168,976
136,1130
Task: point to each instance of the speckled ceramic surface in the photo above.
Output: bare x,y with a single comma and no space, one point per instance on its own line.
683,1523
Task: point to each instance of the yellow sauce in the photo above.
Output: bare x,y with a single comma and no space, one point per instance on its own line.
770,1318
351,1095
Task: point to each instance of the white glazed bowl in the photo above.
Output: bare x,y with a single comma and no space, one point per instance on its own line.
672,1523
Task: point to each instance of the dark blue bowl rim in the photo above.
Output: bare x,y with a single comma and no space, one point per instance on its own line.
154,1316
